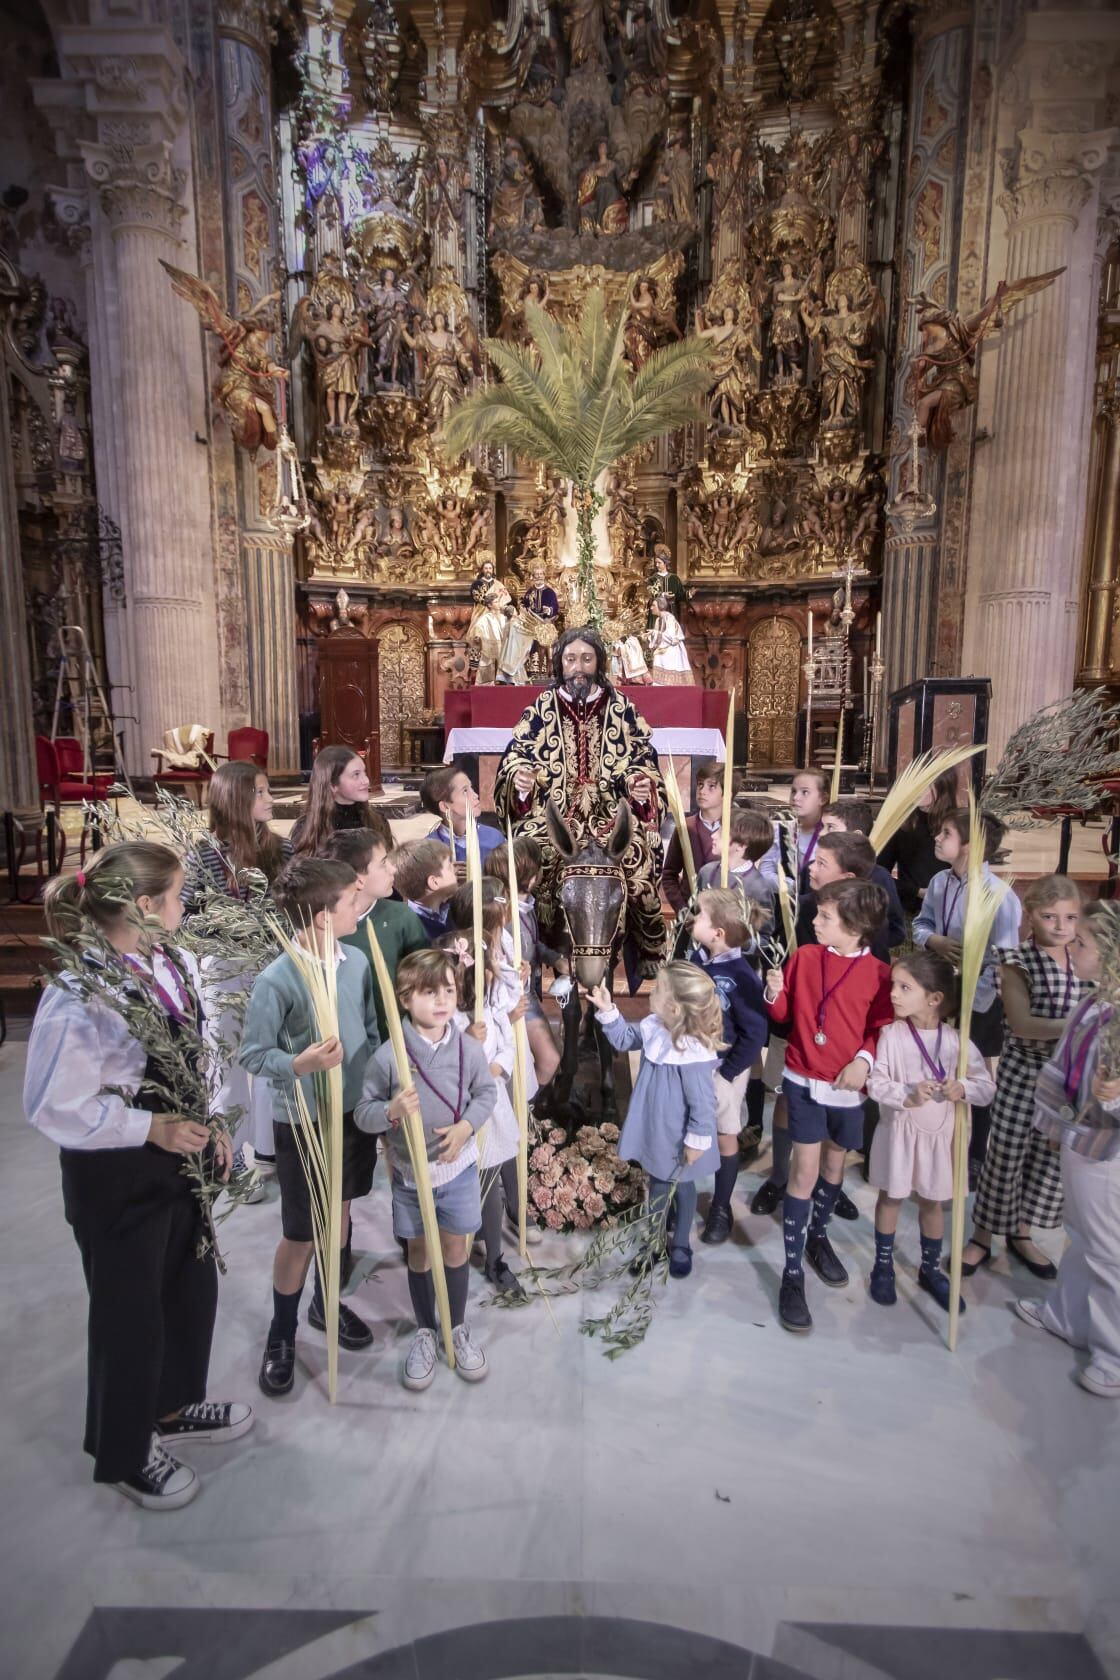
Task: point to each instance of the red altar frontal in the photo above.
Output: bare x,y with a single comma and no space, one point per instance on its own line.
686,723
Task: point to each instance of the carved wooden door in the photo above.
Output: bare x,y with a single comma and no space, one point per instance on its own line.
349,697
402,661
773,688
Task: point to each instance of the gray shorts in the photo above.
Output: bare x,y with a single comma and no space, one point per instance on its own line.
458,1205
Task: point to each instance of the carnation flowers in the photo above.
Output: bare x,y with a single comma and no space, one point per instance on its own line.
576,1186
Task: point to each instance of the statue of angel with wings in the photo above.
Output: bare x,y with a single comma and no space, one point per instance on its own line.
245,387
942,377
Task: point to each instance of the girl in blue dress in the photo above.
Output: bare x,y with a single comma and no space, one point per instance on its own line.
670,1127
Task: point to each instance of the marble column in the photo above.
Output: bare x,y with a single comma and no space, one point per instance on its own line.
1028,513
19,782
167,571
249,195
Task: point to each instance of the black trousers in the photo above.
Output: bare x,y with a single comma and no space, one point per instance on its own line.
152,1301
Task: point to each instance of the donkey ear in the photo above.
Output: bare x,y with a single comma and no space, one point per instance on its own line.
622,833
560,832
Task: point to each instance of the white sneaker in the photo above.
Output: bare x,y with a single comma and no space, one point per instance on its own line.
163,1484
213,1421
420,1363
1031,1312
534,1236
470,1361
1094,1379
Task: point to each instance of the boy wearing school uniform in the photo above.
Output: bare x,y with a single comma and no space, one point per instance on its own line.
835,995
318,895
425,877
397,928
720,932
703,834
453,1094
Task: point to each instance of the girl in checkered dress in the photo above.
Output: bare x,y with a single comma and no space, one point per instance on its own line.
1020,1185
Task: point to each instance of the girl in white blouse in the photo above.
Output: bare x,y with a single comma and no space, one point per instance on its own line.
94,1088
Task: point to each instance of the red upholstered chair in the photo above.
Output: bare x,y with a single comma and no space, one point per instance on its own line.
60,773
195,779
249,746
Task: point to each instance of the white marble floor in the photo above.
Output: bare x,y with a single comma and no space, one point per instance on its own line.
798,1498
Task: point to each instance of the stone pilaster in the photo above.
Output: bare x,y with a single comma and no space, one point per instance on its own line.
249,194
1097,664
1028,509
167,570
937,123
19,781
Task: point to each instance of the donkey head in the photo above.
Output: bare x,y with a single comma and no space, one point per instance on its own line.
592,892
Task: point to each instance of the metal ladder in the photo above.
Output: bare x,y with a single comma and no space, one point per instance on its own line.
78,680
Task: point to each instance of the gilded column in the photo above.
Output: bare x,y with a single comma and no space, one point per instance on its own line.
249,194
938,116
167,566
1028,510
1098,664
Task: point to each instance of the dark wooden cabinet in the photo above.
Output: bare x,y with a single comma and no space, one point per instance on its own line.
349,696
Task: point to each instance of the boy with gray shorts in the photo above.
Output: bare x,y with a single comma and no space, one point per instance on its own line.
454,1094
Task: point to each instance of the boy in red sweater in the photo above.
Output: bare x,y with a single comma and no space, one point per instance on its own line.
836,996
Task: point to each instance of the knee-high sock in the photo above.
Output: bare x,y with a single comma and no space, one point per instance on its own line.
457,1280
795,1217
508,1171
756,1102
317,1295
824,1200
725,1180
285,1316
422,1291
782,1146
492,1221
686,1213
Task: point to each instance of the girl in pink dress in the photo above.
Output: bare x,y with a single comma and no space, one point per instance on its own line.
915,1084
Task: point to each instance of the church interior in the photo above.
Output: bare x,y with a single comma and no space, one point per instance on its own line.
369,364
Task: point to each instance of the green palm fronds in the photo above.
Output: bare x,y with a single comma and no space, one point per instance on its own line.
571,401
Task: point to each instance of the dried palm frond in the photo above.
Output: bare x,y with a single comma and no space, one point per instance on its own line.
982,901
728,778
318,1137
785,903
673,795
909,786
520,1091
474,876
413,1128
1056,760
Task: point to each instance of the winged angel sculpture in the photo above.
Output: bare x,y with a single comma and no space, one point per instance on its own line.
943,371
244,389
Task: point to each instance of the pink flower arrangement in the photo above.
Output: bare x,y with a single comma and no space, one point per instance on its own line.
576,1186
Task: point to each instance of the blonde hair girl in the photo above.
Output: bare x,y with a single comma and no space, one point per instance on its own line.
670,1127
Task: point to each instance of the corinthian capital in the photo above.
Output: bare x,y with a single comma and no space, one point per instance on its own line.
138,186
1051,174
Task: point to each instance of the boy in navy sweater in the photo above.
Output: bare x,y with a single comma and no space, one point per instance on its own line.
425,877
720,931
835,995
843,854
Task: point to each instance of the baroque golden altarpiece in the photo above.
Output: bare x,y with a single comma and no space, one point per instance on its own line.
592,145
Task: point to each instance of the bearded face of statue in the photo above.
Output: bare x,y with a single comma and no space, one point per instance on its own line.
579,666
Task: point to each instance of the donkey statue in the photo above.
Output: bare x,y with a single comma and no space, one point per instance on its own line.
592,896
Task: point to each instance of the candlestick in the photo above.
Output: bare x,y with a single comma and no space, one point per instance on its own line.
878,634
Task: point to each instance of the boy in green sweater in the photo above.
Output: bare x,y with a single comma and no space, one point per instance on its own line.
279,1045
399,930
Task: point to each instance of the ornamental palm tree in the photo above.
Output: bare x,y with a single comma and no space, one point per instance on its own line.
570,401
